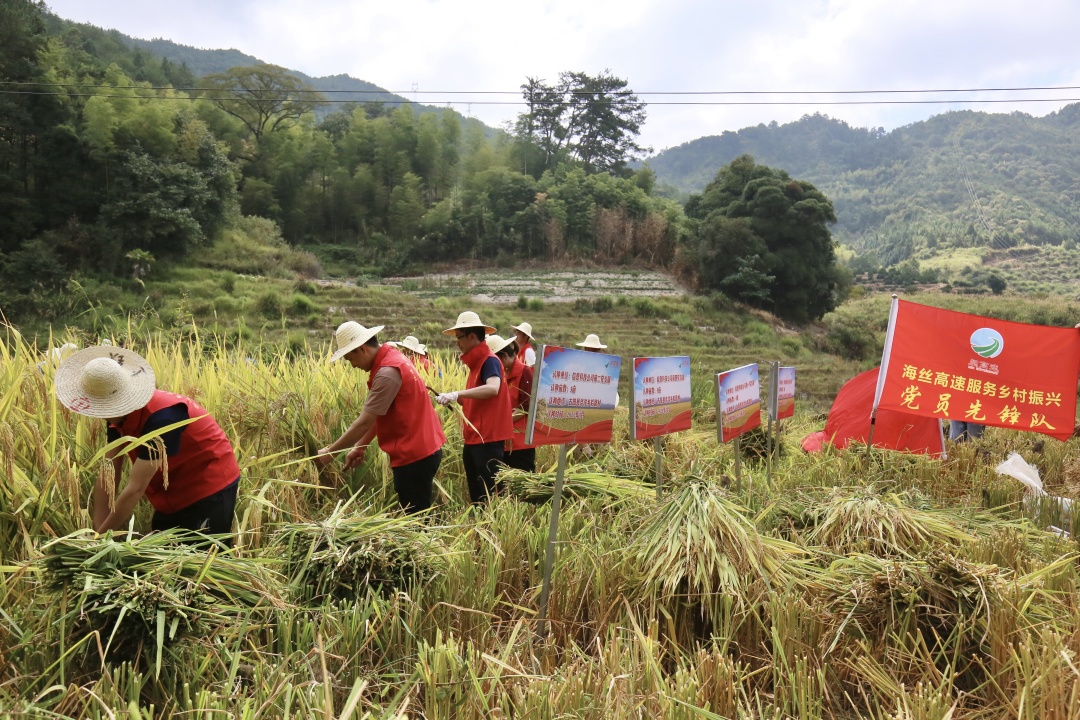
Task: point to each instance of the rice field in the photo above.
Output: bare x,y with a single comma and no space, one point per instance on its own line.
850,585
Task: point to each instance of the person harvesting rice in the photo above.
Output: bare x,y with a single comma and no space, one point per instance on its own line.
520,379
194,486
485,402
397,411
417,352
522,336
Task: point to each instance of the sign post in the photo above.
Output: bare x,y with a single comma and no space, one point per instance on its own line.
661,403
771,416
573,401
549,550
781,405
738,407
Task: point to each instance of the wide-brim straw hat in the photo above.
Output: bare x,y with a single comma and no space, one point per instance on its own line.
411,343
592,341
469,319
351,335
497,343
525,328
104,382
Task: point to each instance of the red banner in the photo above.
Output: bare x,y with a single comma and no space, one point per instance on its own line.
951,365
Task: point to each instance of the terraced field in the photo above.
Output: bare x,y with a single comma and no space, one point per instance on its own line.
715,340
548,285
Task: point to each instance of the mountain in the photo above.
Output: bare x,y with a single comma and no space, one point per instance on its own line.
957,180
205,62
197,62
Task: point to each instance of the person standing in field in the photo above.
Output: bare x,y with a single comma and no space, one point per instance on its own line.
962,431
592,343
485,403
193,486
417,352
519,377
397,411
522,336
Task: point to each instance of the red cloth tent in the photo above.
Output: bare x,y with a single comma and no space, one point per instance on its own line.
849,419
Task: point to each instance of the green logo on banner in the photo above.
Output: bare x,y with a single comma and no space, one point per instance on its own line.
987,343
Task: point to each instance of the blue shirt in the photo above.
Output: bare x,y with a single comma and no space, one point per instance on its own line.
162,418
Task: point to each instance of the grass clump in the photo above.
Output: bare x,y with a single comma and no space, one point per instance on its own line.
269,305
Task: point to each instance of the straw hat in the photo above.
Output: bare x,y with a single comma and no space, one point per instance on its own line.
411,343
104,382
524,328
469,319
351,335
498,343
592,341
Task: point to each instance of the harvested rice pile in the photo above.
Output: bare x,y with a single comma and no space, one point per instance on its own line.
701,547
539,487
345,554
139,592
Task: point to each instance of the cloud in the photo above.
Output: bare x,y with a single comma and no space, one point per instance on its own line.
678,45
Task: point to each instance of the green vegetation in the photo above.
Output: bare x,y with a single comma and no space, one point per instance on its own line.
957,181
849,585
115,171
763,239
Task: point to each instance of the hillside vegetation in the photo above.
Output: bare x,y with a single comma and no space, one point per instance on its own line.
962,179
160,61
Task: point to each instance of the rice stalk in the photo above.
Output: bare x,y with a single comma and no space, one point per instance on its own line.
884,524
539,487
148,592
340,556
701,552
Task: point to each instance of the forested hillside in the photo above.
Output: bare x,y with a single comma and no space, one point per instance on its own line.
163,62
114,163
960,179
117,165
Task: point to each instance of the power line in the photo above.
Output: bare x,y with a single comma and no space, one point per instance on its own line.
796,103
414,90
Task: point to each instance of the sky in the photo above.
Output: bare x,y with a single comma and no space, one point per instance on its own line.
769,47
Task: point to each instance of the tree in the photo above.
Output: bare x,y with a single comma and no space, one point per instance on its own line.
593,119
164,207
262,97
763,237
22,37
141,261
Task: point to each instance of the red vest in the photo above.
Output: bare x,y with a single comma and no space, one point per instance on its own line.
490,417
520,380
410,430
521,351
204,465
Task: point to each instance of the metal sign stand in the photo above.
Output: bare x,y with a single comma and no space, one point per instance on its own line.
549,553
774,394
659,467
738,465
